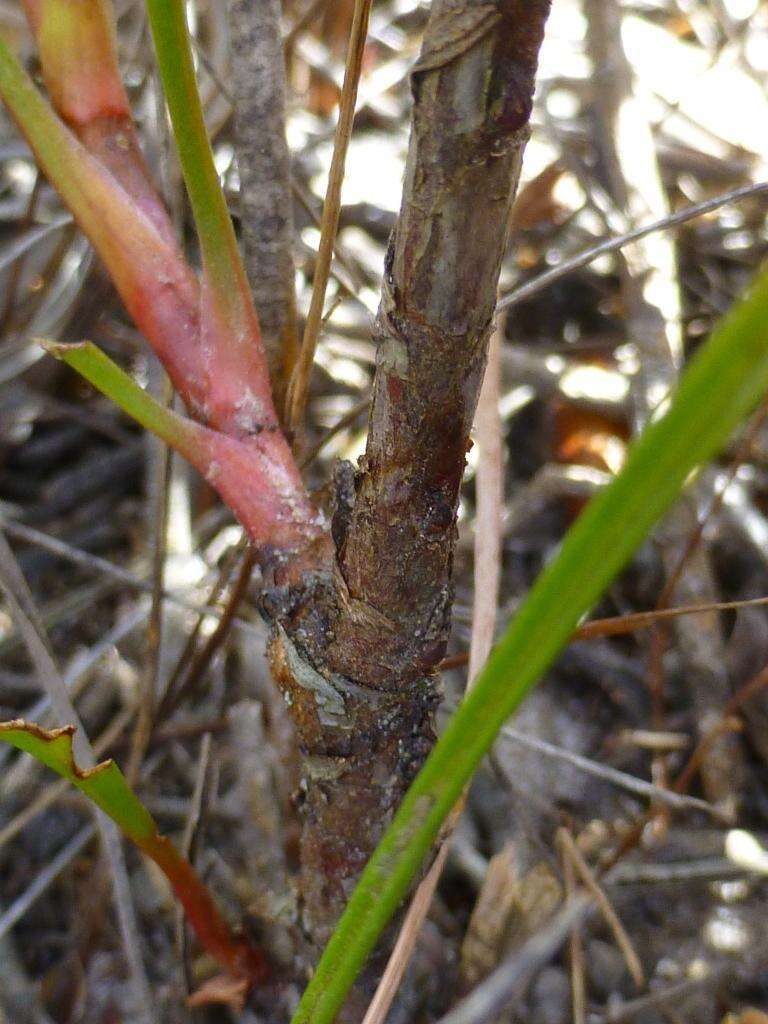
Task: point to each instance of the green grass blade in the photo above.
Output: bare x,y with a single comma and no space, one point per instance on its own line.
106,376
721,385
230,324
221,256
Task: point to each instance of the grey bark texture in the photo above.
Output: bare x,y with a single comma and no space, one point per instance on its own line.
259,86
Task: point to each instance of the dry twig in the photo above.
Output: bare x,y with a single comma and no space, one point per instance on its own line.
299,385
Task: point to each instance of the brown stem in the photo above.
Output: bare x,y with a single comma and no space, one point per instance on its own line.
356,659
357,640
473,86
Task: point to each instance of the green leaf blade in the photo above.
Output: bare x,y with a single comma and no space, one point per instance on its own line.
168,22
106,787
256,477
106,376
229,314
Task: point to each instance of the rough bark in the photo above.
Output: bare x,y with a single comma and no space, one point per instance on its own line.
356,647
263,160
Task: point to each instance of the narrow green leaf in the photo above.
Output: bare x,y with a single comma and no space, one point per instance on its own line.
168,22
52,143
106,376
722,384
105,786
255,476
228,313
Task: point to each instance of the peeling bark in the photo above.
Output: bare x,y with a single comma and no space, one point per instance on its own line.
356,648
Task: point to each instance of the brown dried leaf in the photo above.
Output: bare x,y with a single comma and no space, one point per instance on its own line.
482,946
220,990
535,203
